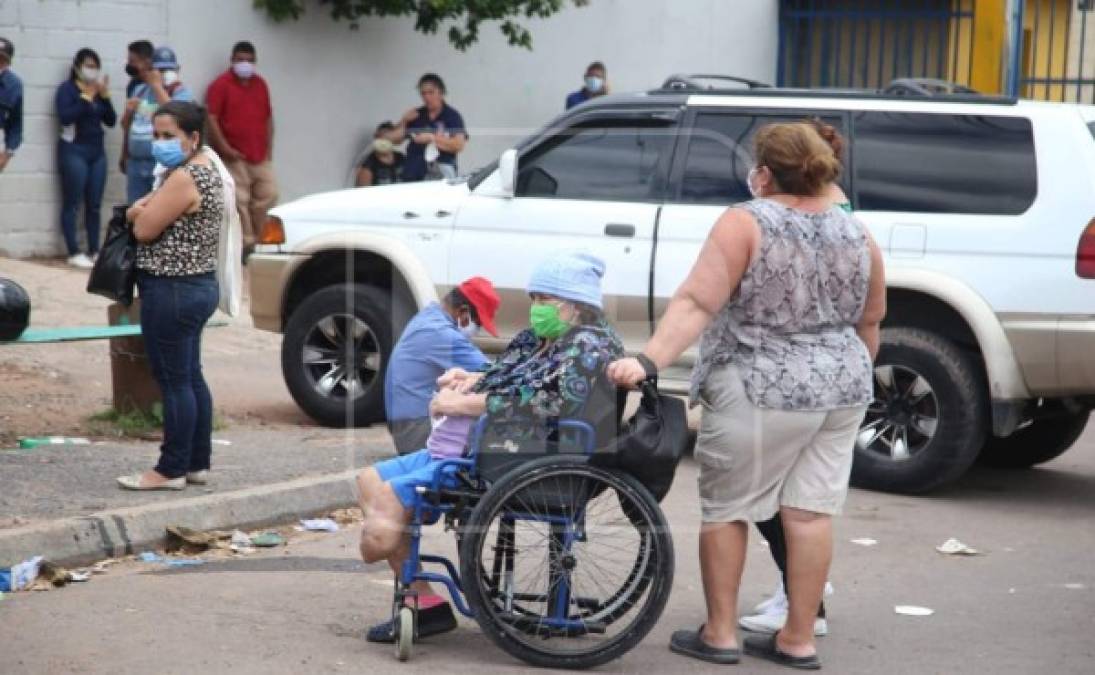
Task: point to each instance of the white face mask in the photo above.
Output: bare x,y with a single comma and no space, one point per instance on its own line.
89,75
469,331
170,77
594,84
243,69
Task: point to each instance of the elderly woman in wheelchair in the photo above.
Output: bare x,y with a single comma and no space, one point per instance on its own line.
562,563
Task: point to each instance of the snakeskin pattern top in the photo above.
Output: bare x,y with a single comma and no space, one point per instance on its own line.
189,245
790,326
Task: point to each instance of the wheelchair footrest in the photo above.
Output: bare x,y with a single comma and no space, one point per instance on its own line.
549,627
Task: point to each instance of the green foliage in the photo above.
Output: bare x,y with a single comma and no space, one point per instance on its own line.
134,423
430,14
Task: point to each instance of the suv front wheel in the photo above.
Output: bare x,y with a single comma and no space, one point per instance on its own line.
928,418
335,352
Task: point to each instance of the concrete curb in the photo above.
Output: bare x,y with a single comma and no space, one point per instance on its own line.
75,541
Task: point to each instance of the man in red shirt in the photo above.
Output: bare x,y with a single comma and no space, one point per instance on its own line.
241,129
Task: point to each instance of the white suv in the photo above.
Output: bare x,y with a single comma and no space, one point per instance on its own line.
983,206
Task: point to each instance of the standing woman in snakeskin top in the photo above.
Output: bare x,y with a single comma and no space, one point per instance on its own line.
788,293
177,227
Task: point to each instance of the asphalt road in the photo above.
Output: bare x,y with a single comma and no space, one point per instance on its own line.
1025,605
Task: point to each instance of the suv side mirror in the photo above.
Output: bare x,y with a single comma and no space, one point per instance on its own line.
507,170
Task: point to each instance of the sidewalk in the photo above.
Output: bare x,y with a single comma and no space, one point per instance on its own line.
270,462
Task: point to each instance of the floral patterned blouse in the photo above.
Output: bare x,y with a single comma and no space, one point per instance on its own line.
790,327
527,380
189,245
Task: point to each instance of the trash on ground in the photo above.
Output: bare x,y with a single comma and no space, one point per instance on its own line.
267,540
319,525
27,443
53,574
20,577
79,576
865,541
347,516
150,557
221,441
1075,587
184,539
913,610
954,547
101,566
240,542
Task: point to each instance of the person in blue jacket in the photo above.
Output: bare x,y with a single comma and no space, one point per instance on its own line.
84,108
435,341
11,104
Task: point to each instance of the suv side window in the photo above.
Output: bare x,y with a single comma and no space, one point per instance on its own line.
599,161
719,154
937,163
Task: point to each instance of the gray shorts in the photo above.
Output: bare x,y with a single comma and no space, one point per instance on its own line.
754,460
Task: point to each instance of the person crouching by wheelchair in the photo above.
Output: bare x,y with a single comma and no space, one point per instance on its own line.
545,373
435,341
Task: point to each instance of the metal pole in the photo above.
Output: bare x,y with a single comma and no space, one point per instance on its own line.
1014,49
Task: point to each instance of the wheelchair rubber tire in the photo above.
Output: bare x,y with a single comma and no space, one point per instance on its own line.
404,634
657,583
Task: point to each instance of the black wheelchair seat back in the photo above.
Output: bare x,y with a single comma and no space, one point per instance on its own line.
504,446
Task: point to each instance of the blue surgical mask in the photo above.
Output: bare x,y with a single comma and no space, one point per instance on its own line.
594,84
168,152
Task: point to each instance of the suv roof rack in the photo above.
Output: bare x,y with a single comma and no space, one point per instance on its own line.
692,82
900,89
926,86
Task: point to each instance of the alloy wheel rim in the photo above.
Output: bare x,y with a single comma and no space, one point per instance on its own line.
903,417
341,357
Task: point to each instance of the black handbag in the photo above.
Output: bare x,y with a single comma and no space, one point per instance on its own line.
115,270
651,443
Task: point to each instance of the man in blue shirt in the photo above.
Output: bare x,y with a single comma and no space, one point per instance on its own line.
596,84
11,104
436,131
436,340
159,75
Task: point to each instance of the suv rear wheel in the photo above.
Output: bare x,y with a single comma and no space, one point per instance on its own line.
928,418
1047,437
335,353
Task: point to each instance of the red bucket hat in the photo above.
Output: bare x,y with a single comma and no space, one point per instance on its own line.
482,296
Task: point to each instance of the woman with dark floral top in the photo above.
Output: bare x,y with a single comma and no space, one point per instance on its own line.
547,372
177,229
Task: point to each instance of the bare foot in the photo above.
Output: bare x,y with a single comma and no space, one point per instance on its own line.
803,649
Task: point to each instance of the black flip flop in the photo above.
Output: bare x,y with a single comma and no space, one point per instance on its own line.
690,643
765,647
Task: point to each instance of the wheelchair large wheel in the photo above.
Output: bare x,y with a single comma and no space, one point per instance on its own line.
573,563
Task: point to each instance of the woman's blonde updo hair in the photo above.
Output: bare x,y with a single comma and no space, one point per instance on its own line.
800,160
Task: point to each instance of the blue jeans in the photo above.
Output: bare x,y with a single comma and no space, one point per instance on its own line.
83,177
138,174
173,313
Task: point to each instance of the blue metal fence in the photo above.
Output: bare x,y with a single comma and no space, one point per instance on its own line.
869,43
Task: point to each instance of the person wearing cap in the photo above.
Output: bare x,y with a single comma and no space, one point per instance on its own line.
384,164
437,340
11,104
241,129
160,83
546,373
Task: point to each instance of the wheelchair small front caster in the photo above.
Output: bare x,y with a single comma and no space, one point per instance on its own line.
404,634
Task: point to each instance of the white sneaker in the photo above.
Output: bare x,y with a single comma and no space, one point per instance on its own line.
80,261
777,601
773,622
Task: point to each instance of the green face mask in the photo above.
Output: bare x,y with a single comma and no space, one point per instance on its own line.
545,321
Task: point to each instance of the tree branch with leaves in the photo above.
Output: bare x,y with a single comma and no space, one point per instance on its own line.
429,15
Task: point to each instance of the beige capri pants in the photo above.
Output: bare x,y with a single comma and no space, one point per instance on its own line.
754,460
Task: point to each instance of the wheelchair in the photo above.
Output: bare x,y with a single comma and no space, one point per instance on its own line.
563,563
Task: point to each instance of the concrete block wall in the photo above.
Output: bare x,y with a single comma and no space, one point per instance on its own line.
47,34
331,86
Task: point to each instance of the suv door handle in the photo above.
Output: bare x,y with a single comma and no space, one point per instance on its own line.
442,214
619,230
410,214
